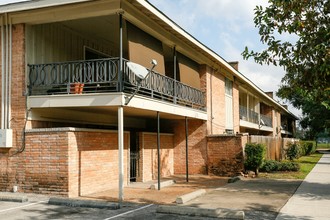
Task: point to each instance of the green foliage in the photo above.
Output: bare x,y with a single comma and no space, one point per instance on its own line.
270,166
307,148
299,149
305,56
293,151
289,166
273,166
254,156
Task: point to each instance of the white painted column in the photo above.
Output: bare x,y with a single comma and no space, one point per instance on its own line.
121,152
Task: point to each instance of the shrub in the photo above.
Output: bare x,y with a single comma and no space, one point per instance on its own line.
273,166
254,156
270,166
289,166
309,148
293,151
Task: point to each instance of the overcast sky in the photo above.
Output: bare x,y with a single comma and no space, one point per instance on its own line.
226,27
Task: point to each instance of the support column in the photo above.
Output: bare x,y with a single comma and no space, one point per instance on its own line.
158,148
187,164
121,152
120,73
174,71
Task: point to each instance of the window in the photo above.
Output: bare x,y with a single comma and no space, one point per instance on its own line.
229,104
229,87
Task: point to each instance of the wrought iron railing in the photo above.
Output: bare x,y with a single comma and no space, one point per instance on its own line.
102,75
266,120
248,115
252,116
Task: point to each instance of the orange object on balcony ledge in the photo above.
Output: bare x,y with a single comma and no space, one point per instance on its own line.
76,88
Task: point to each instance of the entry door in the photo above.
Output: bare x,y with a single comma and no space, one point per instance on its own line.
229,104
134,155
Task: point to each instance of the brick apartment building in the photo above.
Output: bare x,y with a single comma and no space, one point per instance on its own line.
67,127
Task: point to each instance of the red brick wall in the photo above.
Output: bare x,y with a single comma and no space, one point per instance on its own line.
66,162
10,173
149,157
225,155
45,163
94,156
197,154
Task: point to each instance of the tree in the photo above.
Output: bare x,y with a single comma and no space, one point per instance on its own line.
306,59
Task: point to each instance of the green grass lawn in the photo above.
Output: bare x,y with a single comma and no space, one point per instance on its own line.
323,146
306,165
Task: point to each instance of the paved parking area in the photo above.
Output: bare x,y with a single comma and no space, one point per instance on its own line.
43,211
258,198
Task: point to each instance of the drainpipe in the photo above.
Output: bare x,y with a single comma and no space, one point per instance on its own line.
2,74
10,41
211,99
6,71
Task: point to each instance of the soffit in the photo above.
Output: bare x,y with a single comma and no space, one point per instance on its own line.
66,12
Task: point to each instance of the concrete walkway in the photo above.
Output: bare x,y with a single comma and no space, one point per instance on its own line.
312,198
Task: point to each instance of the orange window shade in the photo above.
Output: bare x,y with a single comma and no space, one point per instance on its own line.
143,48
189,71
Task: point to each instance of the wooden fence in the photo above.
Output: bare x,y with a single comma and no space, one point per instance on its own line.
275,147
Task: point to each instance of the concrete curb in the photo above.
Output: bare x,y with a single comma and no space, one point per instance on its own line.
187,197
83,203
162,184
13,198
193,211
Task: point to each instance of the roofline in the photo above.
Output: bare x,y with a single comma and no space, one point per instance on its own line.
177,28
35,4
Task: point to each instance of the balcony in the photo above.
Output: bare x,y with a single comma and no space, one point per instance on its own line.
248,115
253,117
266,120
103,76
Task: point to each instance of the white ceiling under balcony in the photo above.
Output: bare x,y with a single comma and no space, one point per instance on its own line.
103,108
104,27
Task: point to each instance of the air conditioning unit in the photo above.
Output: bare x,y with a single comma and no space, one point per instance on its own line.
6,138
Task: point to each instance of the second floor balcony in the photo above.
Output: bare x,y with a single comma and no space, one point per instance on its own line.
254,117
104,76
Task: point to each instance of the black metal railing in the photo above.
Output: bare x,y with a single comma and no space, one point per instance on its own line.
266,120
251,116
101,75
248,115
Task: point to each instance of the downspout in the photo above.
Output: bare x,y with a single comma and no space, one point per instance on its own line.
10,41
2,74
6,71
211,100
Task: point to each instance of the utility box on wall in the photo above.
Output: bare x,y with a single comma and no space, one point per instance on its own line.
6,138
